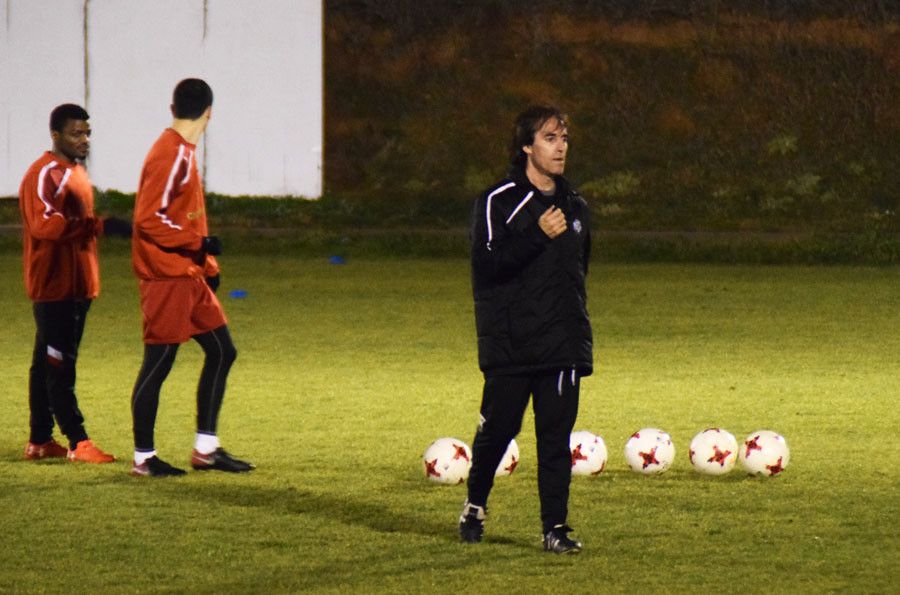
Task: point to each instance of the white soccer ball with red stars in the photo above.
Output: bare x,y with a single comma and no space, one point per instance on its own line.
713,451
588,453
649,451
510,460
764,453
447,460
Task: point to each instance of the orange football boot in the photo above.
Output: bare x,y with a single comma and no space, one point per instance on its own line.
45,450
86,452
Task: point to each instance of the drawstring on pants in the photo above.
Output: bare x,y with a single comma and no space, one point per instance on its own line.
559,383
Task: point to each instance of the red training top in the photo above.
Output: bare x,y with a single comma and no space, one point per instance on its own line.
170,214
59,231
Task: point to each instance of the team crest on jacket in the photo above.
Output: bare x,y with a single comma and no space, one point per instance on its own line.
576,225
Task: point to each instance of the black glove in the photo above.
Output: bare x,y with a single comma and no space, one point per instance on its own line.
213,282
113,226
211,245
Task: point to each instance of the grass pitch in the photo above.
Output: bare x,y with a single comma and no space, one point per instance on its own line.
346,373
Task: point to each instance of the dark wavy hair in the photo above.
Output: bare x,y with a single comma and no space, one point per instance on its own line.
65,112
527,124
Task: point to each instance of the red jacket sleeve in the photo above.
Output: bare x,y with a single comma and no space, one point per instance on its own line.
42,205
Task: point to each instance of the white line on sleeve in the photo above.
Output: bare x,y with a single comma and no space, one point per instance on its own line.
187,173
170,182
490,228
45,171
164,203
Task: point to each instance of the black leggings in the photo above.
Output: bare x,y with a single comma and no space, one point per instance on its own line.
158,359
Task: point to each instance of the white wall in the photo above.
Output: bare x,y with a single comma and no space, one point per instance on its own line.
35,77
263,59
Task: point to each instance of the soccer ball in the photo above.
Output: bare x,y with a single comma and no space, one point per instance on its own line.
649,451
447,460
713,451
764,453
588,453
510,460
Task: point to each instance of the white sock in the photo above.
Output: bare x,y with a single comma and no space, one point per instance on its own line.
206,443
141,456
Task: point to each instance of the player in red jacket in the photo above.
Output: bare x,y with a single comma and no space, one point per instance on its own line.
173,256
59,228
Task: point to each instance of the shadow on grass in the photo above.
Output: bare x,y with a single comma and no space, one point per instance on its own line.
371,513
368,513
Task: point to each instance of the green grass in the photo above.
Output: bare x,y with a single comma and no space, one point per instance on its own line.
346,373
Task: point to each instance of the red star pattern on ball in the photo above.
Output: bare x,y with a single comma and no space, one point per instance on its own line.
718,456
512,466
460,452
776,468
752,444
577,456
649,457
430,469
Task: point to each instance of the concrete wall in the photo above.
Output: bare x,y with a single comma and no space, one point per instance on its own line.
121,59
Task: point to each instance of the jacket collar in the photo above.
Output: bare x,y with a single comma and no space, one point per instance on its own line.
517,175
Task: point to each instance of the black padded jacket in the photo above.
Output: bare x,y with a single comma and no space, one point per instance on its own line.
530,300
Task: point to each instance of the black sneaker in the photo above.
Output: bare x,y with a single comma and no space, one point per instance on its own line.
219,460
556,541
155,467
471,523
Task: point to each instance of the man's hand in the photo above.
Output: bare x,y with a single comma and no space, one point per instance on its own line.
552,222
211,245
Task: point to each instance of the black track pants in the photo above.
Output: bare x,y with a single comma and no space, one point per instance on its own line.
502,407
51,380
219,352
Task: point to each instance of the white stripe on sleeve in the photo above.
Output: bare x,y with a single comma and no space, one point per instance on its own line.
164,203
171,181
490,228
187,173
45,171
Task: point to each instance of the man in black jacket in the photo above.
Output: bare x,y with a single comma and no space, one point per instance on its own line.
530,247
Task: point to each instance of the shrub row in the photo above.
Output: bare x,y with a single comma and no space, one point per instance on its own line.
695,115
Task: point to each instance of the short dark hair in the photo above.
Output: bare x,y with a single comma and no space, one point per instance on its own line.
191,98
65,112
527,124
